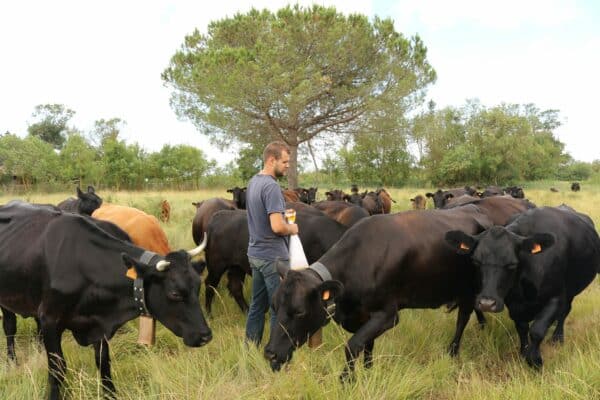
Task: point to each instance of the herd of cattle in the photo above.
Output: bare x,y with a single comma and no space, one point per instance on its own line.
89,267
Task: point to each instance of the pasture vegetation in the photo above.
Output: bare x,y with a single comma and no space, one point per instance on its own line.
410,361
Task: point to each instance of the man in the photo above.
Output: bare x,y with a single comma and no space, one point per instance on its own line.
268,246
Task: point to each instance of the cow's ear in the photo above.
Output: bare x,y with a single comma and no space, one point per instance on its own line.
90,189
229,190
79,192
448,196
537,243
461,242
135,269
329,290
429,194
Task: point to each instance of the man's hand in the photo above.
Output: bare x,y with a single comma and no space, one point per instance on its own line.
280,227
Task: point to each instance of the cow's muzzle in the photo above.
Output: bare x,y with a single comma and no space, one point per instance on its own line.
488,304
198,340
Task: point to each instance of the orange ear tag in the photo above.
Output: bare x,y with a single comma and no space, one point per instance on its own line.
536,248
131,273
464,247
326,295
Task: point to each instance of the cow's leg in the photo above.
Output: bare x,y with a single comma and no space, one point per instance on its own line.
235,281
379,322
212,281
9,324
559,333
57,366
369,353
523,332
102,358
538,330
465,308
480,318
38,332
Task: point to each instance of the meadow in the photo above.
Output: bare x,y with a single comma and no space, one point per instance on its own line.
410,361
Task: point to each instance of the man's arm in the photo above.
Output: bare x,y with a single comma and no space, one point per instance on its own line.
280,227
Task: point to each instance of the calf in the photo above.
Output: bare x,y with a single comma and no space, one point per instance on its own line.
85,203
165,211
536,266
419,202
239,197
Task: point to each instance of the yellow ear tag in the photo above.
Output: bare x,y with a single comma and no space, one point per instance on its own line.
326,295
536,248
464,247
131,274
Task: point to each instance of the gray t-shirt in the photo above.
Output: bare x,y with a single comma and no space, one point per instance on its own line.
264,197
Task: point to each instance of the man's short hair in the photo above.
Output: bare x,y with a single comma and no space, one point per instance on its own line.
274,149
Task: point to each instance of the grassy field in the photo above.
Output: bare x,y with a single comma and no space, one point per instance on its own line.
410,361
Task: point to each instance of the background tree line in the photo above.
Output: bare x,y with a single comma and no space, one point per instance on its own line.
54,153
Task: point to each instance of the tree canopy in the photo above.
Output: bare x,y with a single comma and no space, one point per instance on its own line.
51,124
295,74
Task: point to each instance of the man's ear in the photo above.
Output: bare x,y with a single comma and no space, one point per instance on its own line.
329,290
461,242
538,243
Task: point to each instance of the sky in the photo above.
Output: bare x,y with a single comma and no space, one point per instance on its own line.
103,59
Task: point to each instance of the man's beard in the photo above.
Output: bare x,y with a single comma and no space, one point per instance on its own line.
279,174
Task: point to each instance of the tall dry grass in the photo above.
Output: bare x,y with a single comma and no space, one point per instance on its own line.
410,360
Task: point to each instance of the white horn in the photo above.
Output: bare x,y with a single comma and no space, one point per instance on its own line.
162,265
197,250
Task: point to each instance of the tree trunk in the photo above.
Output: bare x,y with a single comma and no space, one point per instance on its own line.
292,175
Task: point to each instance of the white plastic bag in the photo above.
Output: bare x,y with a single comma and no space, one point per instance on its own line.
297,256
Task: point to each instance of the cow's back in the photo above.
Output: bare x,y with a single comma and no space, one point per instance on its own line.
143,229
204,213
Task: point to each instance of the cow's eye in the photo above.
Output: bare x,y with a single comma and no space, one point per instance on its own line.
300,314
175,296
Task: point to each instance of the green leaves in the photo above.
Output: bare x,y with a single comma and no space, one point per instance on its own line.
294,74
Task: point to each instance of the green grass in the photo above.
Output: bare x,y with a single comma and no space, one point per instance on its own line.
410,361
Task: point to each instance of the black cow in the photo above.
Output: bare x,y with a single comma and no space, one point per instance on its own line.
536,266
239,197
380,265
64,270
335,195
440,197
85,203
307,196
515,191
228,247
9,323
575,186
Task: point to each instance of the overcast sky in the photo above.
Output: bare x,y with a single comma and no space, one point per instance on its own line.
103,59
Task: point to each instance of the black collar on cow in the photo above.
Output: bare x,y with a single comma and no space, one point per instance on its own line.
325,275
321,270
139,296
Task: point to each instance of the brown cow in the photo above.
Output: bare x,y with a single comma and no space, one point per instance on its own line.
419,202
204,213
290,195
345,213
165,211
385,199
143,229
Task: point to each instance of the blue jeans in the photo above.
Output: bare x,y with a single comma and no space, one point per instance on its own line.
265,281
